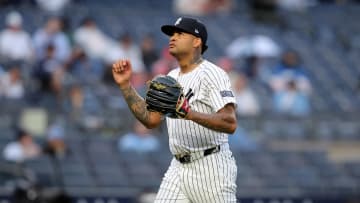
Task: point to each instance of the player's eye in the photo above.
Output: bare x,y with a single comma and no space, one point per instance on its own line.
179,32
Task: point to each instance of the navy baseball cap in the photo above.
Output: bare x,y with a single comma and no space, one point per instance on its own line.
188,25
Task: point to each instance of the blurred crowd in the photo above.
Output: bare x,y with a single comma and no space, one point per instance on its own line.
69,67
65,68
60,62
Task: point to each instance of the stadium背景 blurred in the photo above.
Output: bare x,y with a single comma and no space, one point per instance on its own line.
66,134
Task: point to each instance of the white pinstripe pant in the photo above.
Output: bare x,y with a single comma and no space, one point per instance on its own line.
211,179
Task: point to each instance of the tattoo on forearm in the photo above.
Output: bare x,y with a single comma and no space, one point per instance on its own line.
136,104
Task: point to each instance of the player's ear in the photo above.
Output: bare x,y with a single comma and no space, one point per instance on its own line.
197,42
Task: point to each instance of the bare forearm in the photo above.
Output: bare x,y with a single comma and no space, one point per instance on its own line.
137,105
218,122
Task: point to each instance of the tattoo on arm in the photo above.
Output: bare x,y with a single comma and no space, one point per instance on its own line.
136,104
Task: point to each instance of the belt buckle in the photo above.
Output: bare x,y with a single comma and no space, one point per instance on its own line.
186,158
183,158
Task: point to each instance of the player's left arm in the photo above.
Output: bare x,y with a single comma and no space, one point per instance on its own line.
216,91
223,120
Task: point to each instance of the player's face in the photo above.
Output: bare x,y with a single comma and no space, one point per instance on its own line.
181,43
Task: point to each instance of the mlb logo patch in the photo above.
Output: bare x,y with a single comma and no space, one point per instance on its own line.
226,93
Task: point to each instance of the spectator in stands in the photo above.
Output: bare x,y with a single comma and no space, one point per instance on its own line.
82,98
139,140
49,71
73,103
55,143
202,7
11,84
247,103
251,67
126,48
66,28
226,63
53,6
149,52
15,43
85,70
291,101
146,196
22,149
294,5
83,106
255,53
265,11
290,69
51,34
92,40
219,6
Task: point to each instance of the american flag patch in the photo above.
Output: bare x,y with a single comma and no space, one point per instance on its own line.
226,93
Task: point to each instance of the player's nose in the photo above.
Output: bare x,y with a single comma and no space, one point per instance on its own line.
173,36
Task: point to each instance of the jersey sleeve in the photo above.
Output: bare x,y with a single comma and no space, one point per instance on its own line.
174,72
216,90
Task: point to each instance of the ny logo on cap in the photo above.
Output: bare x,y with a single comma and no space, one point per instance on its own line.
196,31
178,21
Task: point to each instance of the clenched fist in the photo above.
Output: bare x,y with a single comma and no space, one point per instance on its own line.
121,71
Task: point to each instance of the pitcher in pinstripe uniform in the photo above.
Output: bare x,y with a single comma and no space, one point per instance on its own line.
203,168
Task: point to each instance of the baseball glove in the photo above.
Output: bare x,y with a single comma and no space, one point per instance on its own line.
165,95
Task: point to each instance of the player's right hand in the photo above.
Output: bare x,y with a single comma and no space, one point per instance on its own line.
121,71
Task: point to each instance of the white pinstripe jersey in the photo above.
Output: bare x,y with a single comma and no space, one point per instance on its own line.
212,91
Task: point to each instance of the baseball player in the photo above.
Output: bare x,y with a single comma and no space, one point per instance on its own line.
203,168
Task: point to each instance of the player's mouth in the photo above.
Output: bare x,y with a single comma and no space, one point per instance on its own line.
171,45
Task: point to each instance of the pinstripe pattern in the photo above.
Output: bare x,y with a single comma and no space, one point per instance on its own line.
209,180
212,178
206,81
170,189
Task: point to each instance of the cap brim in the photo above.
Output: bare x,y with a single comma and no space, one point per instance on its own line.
170,29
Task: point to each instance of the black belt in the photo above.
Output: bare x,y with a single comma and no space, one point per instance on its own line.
187,158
